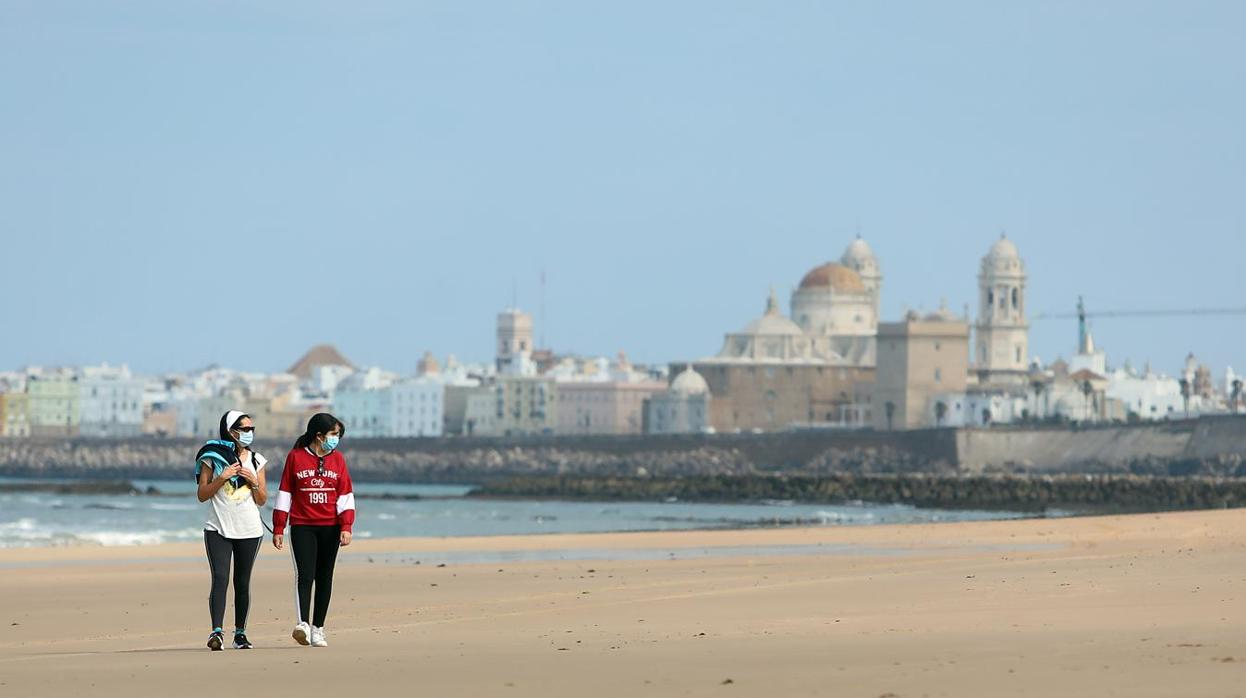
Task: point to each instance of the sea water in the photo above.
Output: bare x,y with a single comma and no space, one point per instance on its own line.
39,519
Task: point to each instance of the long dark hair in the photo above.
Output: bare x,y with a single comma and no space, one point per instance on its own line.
225,428
320,423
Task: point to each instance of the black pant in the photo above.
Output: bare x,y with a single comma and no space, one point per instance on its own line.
315,552
220,550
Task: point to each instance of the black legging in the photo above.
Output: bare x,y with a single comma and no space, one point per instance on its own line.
315,552
220,550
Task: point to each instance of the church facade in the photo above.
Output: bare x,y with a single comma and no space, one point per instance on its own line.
812,368
820,365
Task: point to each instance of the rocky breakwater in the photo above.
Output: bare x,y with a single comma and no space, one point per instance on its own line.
98,459
456,461
1099,493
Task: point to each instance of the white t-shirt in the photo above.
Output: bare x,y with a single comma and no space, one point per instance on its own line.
232,511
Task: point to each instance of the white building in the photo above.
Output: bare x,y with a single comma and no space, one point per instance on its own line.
1234,391
375,404
684,408
600,396
324,380
363,403
186,408
1148,395
418,408
976,409
482,411
1086,389
110,402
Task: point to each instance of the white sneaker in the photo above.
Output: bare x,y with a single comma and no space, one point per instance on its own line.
302,633
317,637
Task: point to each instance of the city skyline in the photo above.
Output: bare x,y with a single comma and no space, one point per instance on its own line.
1039,321
386,180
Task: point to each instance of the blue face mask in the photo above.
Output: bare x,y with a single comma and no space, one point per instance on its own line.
330,442
246,438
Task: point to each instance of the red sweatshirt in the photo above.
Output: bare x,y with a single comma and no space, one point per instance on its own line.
311,497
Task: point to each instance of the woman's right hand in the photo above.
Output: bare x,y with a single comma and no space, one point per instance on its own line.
229,472
278,540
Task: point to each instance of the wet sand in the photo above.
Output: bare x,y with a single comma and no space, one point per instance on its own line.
1147,605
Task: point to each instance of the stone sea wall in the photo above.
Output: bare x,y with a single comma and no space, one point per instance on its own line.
1214,446
1209,447
426,462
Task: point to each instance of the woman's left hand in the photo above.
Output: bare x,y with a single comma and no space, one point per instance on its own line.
344,538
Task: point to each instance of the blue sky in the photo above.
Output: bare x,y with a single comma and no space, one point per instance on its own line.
196,182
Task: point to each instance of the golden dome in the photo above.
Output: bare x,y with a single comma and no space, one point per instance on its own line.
836,276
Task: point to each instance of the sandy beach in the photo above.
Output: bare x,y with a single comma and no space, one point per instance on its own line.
1146,605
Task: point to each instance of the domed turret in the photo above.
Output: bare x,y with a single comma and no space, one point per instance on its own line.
1003,258
773,322
1003,249
860,258
689,382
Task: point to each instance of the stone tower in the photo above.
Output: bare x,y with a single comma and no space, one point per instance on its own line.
514,342
1002,331
860,258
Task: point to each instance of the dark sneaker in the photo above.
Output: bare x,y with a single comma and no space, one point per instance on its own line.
216,642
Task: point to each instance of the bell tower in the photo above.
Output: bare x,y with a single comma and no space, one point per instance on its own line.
1002,332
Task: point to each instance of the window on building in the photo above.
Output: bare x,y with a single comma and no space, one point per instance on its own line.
1015,298
938,375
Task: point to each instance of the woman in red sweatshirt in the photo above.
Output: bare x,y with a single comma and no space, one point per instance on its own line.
317,499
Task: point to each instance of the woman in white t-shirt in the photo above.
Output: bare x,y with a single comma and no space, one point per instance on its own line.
231,480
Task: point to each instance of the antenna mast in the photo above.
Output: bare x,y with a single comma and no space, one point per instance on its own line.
542,311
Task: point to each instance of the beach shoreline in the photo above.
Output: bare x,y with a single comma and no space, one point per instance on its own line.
1145,604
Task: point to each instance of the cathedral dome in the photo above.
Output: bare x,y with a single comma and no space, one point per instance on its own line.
835,276
773,322
772,325
689,382
1003,249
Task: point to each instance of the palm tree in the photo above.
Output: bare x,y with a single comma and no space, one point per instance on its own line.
1088,391
1037,384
